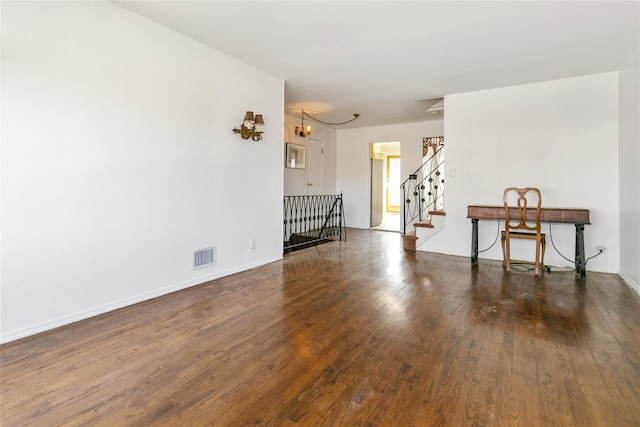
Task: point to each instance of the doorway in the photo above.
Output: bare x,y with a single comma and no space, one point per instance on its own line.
385,185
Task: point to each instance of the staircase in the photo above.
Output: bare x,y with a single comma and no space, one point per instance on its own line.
423,230
423,195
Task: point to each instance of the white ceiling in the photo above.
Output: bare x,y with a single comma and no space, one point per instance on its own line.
386,59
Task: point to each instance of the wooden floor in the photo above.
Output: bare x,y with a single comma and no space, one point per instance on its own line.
342,334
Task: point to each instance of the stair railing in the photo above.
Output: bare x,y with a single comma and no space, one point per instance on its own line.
311,219
423,191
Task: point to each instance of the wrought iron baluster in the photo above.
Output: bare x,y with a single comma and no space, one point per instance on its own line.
310,219
423,191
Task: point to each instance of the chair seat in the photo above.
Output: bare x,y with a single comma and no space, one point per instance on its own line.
522,235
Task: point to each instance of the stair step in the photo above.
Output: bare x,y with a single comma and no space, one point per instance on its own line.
409,240
425,224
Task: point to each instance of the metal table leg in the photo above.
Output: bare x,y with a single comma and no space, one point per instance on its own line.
474,241
581,260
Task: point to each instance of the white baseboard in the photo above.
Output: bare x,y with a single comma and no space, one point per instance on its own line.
633,285
95,311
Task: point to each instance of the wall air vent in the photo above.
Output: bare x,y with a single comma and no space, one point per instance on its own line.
204,257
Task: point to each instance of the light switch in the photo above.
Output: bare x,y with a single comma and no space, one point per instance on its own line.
453,173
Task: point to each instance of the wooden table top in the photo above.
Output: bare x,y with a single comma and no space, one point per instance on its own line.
547,214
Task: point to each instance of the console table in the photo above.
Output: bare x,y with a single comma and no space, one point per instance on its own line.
577,216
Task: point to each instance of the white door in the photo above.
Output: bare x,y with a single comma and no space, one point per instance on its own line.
315,167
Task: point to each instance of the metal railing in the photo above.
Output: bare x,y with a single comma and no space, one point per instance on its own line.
311,219
423,191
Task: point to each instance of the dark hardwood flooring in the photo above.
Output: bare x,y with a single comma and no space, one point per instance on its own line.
358,333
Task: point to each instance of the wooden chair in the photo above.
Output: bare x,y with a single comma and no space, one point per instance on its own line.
523,222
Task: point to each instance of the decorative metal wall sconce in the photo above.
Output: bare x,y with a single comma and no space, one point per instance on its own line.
251,127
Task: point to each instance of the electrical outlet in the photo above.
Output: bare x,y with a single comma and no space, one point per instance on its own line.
601,248
252,244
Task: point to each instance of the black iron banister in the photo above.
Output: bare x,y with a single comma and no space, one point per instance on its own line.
328,216
309,219
421,195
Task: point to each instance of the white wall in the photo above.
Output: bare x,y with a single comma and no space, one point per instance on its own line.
118,161
630,172
295,180
560,136
354,173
